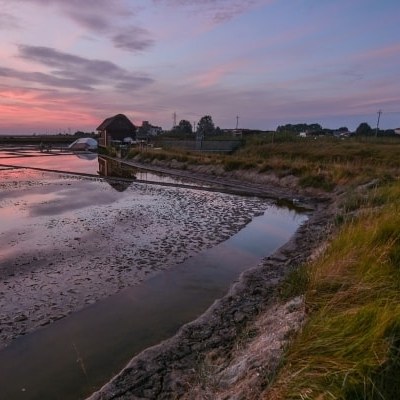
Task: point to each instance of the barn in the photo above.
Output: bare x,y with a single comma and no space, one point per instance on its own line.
116,128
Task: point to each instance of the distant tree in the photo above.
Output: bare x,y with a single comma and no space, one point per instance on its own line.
389,132
206,127
218,131
299,128
184,127
343,129
364,129
314,127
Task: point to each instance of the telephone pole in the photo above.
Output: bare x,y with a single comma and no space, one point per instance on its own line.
237,121
377,124
174,119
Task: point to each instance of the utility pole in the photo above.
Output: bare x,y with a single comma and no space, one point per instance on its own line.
174,119
237,121
377,124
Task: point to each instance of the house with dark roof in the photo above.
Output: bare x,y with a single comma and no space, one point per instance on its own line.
147,131
116,128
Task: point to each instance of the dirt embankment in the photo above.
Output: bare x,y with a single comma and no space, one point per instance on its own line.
245,182
233,349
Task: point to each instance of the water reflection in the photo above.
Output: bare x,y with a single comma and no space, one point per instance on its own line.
110,168
86,156
107,334
87,163
114,168
121,169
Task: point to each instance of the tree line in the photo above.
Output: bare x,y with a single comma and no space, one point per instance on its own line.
364,129
205,127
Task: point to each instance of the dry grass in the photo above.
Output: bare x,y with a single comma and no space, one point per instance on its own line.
349,349
322,163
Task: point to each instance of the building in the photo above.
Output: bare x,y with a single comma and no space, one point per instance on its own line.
116,128
147,131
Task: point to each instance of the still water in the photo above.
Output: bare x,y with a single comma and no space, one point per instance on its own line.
82,163
71,358
76,355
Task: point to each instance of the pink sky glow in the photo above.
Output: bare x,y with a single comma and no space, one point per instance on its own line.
66,66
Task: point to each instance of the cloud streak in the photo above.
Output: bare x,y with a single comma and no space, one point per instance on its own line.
109,18
8,21
219,11
133,39
74,72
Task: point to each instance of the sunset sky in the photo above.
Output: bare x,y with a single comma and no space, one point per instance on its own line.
69,64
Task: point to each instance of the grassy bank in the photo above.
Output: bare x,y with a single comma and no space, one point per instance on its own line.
322,163
350,346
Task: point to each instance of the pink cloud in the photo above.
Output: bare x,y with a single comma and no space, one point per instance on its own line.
217,74
31,109
379,53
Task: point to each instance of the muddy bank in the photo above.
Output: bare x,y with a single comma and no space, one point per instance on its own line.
266,184
218,356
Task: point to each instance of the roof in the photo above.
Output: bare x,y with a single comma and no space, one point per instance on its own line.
108,121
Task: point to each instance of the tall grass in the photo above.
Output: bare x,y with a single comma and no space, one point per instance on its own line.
323,163
350,346
335,161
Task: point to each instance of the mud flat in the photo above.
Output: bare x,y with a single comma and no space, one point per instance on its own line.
234,348
66,242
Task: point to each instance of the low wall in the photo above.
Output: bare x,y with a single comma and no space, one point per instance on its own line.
201,145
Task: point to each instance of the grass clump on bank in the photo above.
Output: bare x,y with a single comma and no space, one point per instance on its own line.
350,346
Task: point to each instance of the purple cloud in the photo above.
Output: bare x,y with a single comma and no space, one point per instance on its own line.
75,72
8,21
110,18
218,10
46,79
133,39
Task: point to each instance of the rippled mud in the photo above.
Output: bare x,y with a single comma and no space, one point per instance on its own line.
66,242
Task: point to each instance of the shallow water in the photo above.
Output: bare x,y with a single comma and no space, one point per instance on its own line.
41,213
73,357
82,163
